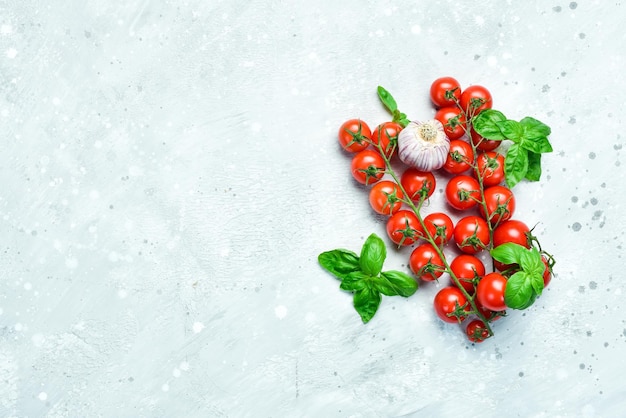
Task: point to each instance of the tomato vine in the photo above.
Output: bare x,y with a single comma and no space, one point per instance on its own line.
521,268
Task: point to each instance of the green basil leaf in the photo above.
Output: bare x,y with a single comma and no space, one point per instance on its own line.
387,99
534,129
339,262
536,281
534,166
531,263
486,124
519,292
366,302
356,280
509,253
536,145
373,255
511,129
515,165
392,283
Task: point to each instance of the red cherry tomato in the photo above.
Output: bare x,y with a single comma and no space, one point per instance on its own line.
367,167
385,197
490,291
417,183
483,144
404,228
462,192
444,91
453,121
354,135
440,227
466,268
511,231
500,204
475,99
386,134
460,157
449,300
476,331
425,263
471,234
490,165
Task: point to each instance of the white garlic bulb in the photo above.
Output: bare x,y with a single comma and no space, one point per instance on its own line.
423,145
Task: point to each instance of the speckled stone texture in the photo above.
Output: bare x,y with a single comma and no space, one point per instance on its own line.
170,172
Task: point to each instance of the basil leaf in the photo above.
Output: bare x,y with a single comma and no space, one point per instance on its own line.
486,124
511,129
509,253
392,283
519,292
536,145
534,129
356,280
339,262
534,166
515,165
387,99
531,262
373,255
366,302
536,281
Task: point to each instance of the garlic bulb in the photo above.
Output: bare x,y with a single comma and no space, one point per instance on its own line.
423,145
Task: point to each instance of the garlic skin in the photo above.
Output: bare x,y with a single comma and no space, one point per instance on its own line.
423,145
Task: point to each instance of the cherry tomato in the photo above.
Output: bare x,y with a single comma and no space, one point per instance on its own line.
444,90
449,300
476,331
483,144
475,99
511,231
490,291
466,268
471,234
367,167
440,227
385,197
386,134
460,157
500,204
418,183
490,165
425,263
354,135
462,192
453,121
404,228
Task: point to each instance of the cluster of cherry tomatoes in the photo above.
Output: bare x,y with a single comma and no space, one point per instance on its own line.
475,194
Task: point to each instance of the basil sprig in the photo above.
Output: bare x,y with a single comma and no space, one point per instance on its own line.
363,276
523,287
530,140
390,103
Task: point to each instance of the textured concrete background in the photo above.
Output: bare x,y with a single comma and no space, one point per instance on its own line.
170,171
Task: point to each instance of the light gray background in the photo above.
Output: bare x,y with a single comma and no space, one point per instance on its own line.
170,172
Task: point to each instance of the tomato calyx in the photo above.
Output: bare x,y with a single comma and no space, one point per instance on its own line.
460,312
371,173
357,137
409,234
474,242
451,96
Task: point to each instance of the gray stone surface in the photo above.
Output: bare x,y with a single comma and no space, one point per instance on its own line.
170,171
